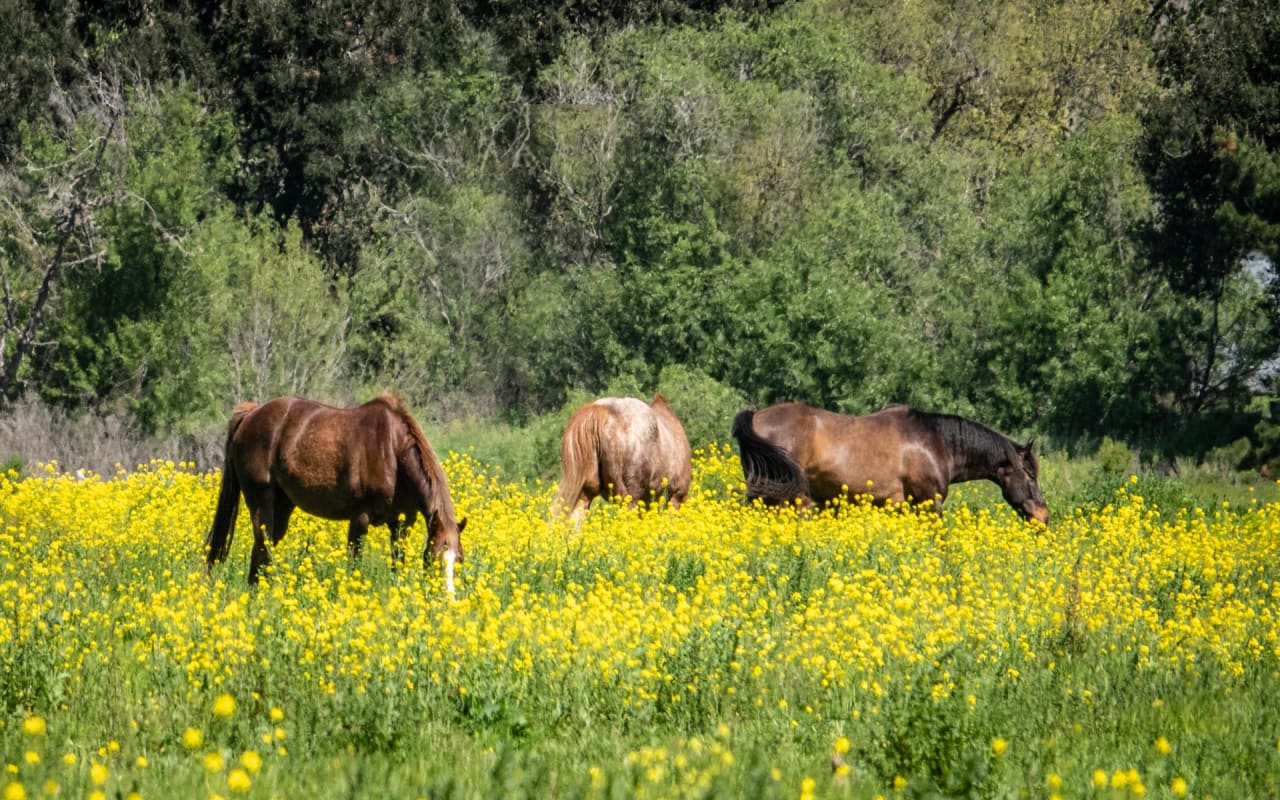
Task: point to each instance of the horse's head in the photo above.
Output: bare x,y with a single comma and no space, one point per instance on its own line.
444,537
444,541
1019,483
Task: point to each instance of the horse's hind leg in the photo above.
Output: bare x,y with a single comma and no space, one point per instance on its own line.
355,535
269,511
260,510
282,509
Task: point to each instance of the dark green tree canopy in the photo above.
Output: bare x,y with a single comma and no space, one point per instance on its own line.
1057,217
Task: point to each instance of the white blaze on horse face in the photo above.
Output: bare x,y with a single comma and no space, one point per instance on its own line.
449,558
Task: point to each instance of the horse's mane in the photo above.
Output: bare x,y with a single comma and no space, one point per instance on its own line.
975,443
440,498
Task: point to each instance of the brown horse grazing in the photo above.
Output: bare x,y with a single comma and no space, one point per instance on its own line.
368,464
791,451
627,447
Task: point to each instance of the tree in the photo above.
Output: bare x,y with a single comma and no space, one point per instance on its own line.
445,238
282,325
38,55
1080,335
50,217
1212,156
1021,74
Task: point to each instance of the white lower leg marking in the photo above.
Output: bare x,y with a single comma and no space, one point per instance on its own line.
449,558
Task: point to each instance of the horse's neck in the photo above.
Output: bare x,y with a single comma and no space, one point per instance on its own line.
976,452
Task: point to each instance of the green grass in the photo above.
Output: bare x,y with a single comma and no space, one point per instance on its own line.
1065,701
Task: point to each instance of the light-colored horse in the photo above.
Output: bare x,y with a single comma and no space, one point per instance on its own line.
624,447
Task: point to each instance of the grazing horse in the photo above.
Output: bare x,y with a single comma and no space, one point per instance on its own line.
368,464
792,451
625,447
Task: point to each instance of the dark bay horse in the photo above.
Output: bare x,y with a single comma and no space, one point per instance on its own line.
792,451
368,464
625,447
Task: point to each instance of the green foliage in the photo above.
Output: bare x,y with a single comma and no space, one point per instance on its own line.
1115,459
36,51
704,405
1084,337
490,208
283,324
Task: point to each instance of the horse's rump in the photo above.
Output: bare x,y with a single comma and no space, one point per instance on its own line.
580,456
218,541
624,446
770,472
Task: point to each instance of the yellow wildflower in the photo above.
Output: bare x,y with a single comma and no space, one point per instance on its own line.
238,781
251,761
192,738
224,706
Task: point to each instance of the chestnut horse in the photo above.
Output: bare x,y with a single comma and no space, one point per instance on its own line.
625,447
368,464
791,451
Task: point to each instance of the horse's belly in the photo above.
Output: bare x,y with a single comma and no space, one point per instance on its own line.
828,482
330,499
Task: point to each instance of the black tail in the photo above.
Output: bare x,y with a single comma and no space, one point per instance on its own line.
770,472
218,542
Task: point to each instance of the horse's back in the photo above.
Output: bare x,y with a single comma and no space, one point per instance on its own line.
253,444
324,458
646,441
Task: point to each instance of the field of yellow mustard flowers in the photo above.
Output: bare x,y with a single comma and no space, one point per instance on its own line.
722,650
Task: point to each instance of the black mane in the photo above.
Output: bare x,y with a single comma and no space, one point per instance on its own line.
979,448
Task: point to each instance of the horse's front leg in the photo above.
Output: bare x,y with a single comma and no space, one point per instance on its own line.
355,535
400,527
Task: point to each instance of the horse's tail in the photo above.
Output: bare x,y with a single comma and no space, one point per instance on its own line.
218,543
770,472
579,455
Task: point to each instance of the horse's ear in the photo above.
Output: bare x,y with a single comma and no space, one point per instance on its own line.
1026,448
462,523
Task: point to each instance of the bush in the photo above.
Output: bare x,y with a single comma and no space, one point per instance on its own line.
705,406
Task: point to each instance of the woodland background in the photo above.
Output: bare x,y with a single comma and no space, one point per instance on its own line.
1059,218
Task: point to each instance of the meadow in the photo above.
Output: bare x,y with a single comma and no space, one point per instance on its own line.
1131,649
